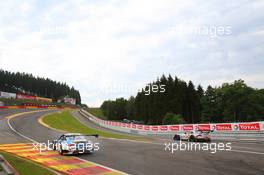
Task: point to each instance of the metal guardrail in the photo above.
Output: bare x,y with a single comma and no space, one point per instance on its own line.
6,168
247,136
239,135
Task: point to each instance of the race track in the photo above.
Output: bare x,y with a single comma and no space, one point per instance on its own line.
135,157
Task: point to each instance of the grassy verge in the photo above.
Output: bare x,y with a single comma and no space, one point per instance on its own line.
65,121
97,112
25,167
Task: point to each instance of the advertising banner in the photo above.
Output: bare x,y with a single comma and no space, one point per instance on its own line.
249,126
163,128
174,127
140,127
222,127
69,100
146,127
154,128
134,126
44,99
7,95
23,96
187,127
203,127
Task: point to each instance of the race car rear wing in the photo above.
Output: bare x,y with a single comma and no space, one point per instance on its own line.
94,135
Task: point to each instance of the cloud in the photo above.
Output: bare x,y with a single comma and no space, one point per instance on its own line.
97,45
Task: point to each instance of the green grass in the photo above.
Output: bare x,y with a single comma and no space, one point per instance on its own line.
97,112
25,167
65,121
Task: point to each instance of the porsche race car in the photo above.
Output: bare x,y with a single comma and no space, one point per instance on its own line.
76,143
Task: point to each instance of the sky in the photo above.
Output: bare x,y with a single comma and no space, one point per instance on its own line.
110,48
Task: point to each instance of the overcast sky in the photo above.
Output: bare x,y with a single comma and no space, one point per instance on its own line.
108,49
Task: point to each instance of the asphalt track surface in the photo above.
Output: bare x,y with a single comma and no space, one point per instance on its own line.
150,158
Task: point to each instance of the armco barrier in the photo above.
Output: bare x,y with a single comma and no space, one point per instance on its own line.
6,167
247,131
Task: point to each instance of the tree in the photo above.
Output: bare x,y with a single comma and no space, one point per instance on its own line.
228,103
171,118
43,87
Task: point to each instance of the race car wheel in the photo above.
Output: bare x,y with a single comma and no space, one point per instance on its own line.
192,139
176,137
61,151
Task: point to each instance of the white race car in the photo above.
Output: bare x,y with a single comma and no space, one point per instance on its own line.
194,136
75,143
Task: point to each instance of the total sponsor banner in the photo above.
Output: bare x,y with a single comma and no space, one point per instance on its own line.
7,95
246,126
222,127
219,127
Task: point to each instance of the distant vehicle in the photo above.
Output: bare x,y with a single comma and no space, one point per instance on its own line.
75,143
137,122
194,136
133,121
126,121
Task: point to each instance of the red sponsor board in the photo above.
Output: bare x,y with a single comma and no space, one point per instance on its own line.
203,127
154,128
249,126
163,128
134,126
123,124
23,96
187,127
140,127
146,128
223,127
174,128
128,125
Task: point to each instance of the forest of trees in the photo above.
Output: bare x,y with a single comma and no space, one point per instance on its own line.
43,87
185,103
